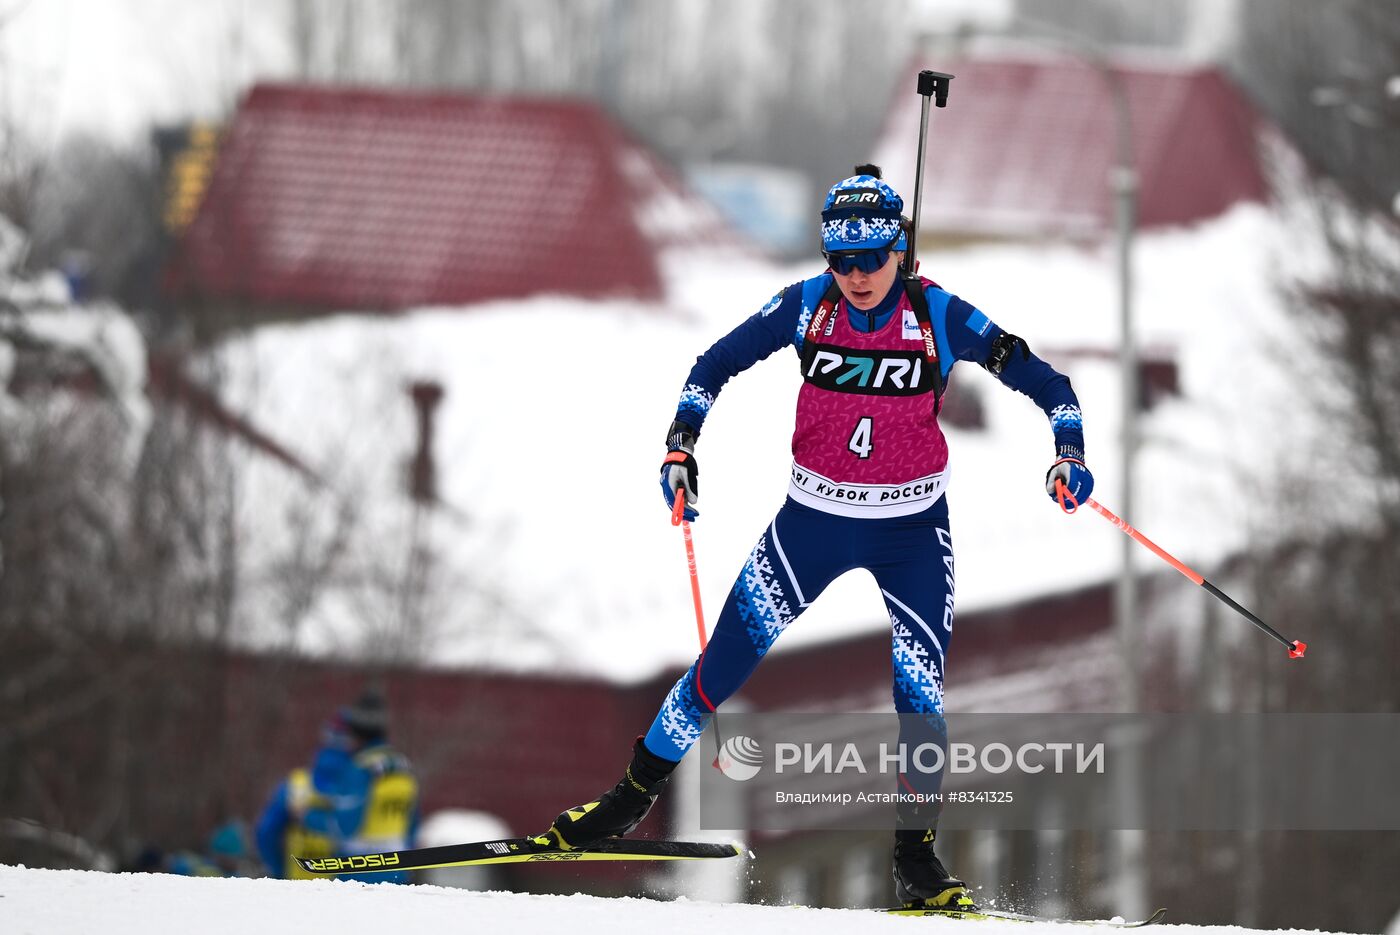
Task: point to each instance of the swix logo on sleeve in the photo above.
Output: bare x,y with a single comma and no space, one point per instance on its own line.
870,372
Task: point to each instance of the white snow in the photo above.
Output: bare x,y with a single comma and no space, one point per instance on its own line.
14,246
106,338
551,428
38,312
76,902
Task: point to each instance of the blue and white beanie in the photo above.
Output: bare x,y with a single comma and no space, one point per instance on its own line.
862,213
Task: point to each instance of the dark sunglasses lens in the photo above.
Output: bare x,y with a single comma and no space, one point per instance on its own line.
867,262
875,260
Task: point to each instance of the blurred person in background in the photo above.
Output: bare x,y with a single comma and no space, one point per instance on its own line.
867,491
226,856
359,796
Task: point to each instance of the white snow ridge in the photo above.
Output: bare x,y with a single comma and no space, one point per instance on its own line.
80,902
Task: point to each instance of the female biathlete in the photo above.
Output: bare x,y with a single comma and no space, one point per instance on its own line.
869,475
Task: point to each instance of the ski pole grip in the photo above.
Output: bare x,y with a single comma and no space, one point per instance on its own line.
678,511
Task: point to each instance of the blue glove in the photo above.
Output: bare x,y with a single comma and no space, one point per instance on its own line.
679,470
1076,478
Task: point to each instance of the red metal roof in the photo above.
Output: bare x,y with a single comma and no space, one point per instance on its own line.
1027,142
364,199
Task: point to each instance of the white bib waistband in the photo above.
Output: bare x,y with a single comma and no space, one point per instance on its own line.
866,501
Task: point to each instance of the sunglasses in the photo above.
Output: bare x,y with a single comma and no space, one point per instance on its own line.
867,261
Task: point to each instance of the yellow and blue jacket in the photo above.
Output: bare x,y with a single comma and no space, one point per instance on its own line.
347,803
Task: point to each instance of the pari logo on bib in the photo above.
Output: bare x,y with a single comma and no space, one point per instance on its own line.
870,372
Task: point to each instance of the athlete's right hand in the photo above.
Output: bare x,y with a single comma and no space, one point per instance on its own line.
679,470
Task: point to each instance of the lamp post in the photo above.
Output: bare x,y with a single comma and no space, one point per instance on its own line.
1131,883
1123,183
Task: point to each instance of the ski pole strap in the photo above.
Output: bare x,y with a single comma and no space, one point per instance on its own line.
1062,494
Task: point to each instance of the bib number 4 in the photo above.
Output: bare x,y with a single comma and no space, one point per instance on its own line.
861,443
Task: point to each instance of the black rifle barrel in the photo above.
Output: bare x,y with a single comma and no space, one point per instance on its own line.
931,84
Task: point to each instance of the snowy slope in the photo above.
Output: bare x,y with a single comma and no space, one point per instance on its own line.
75,902
550,435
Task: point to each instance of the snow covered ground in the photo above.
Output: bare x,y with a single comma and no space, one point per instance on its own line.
60,902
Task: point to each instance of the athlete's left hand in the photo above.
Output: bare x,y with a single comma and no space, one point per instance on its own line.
1077,480
679,472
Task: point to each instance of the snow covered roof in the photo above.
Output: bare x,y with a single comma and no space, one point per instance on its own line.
555,465
371,199
1027,144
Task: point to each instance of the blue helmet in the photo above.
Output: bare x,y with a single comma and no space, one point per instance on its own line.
862,213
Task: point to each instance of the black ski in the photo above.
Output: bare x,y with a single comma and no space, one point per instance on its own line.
985,914
516,850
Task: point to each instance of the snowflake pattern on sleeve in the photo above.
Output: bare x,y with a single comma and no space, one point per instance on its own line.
804,318
696,401
1066,417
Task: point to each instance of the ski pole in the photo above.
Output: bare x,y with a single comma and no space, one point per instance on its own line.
1296,648
931,84
678,519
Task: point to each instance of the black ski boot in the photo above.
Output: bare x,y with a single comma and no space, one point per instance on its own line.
921,880
618,810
